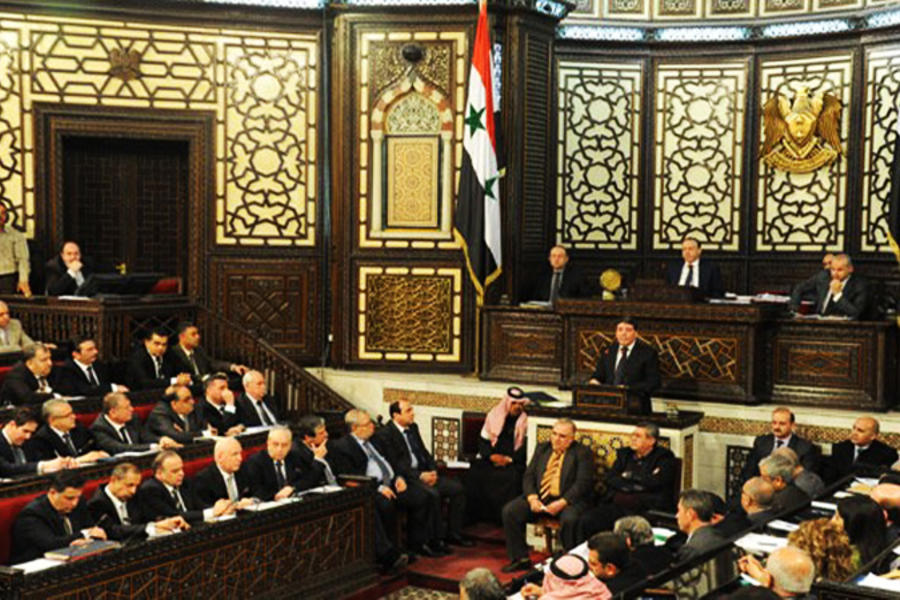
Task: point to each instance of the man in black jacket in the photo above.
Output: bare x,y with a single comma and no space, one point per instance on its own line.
629,362
62,435
402,445
558,279
863,453
641,478
692,272
174,417
113,506
55,520
17,456
28,384
779,471
82,374
783,423
638,534
67,272
150,368
218,408
311,450
558,481
167,494
255,407
609,559
845,294
275,473
188,356
806,289
118,430
224,478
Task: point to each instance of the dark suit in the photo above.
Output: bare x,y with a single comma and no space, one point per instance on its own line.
70,380
156,502
641,370
571,286
48,445
39,528
205,363
626,577
141,374
101,506
788,498
393,446
107,437
163,421
653,558
870,461
806,290
703,540
209,485
763,446
313,470
59,282
710,281
210,414
576,483
20,388
248,413
260,469
854,298
8,466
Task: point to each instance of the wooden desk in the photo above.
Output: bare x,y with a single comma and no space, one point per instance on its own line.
320,547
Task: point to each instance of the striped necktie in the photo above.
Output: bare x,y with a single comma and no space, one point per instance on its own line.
550,480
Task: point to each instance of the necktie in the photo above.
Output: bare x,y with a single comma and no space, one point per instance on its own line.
856,452
619,375
179,503
4,338
329,475
157,365
779,444
43,386
123,435
69,444
414,447
67,524
123,513
232,488
379,462
193,363
263,414
186,421
18,455
554,286
550,480
689,282
92,377
279,474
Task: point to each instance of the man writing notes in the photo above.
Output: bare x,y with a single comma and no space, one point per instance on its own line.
692,272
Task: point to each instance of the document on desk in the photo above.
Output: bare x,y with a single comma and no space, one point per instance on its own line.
760,543
38,564
829,506
134,453
781,525
874,581
661,534
458,464
256,429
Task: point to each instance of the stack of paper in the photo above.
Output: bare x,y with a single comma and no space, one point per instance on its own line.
759,543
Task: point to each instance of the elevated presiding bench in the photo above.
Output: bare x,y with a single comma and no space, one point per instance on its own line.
319,547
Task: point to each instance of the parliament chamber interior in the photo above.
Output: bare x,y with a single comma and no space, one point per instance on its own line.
431,299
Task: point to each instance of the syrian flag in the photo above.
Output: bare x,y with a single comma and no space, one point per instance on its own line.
476,224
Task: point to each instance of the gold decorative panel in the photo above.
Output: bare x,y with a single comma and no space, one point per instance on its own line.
678,8
412,198
409,314
396,98
261,87
445,438
805,211
880,134
628,9
598,155
772,8
730,8
699,141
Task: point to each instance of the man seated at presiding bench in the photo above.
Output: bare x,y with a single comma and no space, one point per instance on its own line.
845,294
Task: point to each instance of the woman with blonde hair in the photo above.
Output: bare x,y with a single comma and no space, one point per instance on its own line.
829,547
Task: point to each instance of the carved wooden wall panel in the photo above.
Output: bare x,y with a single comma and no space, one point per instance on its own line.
516,349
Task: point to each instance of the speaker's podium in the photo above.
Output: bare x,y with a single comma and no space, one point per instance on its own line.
610,399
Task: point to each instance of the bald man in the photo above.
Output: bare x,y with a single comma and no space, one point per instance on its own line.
845,294
863,453
224,478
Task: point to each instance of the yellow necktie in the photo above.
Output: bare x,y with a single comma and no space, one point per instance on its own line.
550,480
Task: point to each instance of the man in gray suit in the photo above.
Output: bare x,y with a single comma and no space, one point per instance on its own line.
695,511
558,482
12,337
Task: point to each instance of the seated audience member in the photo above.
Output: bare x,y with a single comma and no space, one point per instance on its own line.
779,471
218,408
114,504
66,272
188,356
558,482
783,423
806,480
311,450
755,508
568,577
480,584
12,337
863,520
117,429
693,272
630,362
256,407
863,453
558,279
695,511
27,384
495,476
806,290
401,444
845,294
609,559
14,259
638,535
62,435
275,473
82,374
354,454
53,521
828,546
18,457
789,571
642,478
150,367
174,417
167,494
224,478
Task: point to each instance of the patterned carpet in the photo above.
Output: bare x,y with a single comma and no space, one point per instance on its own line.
417,593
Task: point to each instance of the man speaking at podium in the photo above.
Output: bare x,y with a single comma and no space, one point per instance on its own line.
630,362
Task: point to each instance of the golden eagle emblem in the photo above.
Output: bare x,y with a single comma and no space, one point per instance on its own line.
125,64
803,136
